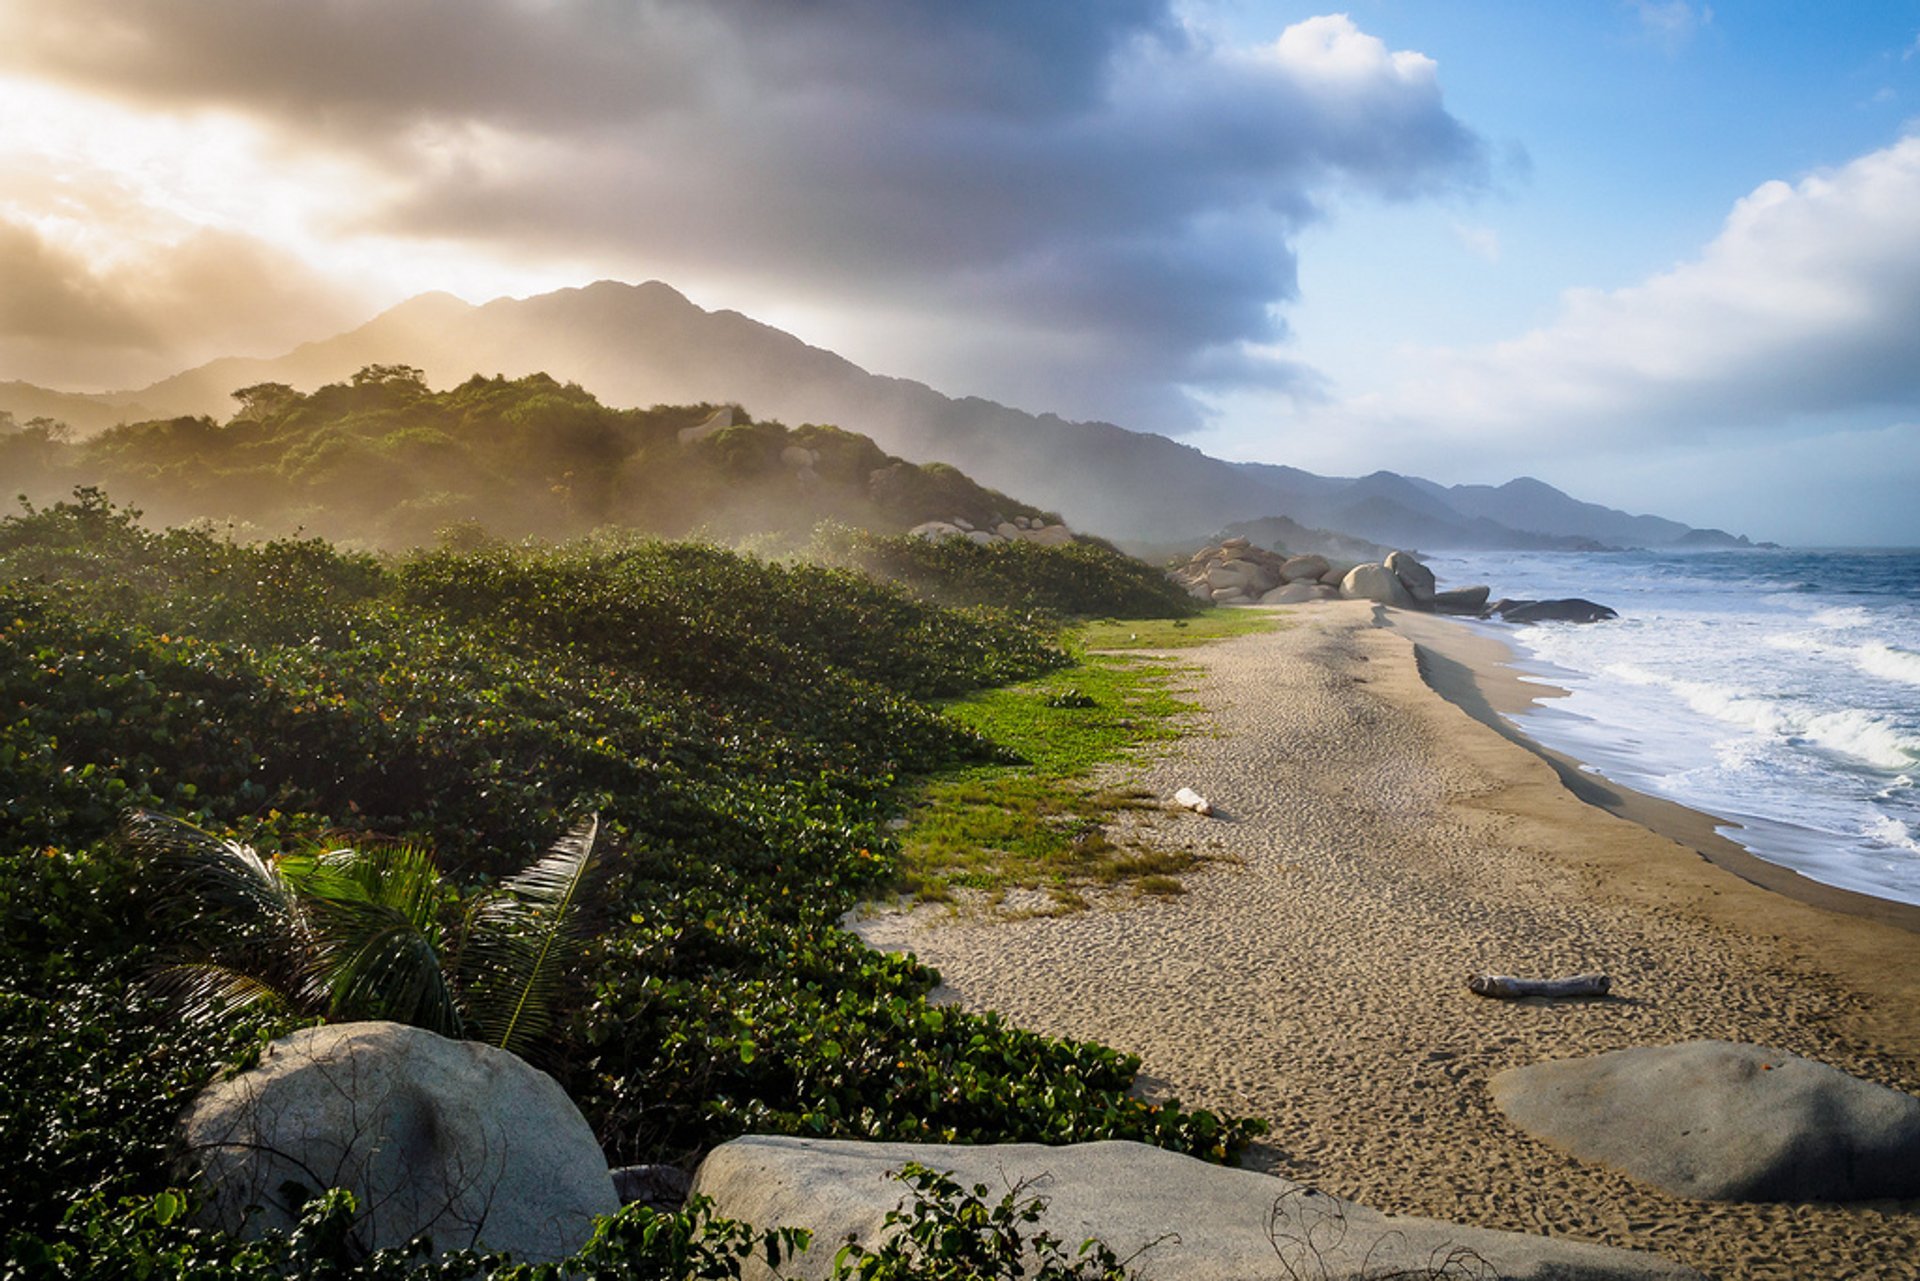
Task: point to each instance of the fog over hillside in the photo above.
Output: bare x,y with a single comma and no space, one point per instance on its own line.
641,345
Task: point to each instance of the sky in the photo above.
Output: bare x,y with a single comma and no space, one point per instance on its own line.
1663,254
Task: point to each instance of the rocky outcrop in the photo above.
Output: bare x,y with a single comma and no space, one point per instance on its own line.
1235,572
451,1139
1722,1121
1304,569
1300,594
1021,529
1417,578
1462,600
1569,610
1184,1217
713,425
1376,583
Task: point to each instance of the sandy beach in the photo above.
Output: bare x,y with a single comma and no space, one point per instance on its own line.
1375,844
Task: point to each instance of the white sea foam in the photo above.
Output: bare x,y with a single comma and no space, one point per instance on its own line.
1843,617
1858,733
1878,659
1795,713
1890,832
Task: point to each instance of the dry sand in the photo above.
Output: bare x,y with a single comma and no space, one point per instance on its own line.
1376,844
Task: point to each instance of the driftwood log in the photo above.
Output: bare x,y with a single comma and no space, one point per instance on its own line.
1507,988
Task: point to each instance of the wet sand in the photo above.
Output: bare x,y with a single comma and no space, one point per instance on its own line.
1376,843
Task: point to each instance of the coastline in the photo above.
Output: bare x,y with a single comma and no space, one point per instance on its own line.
1376,843
1474,671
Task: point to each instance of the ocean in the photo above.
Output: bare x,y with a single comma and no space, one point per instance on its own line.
1776,690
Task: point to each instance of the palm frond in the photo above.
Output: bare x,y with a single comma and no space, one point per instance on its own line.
216,879
208,992
374,963
519,940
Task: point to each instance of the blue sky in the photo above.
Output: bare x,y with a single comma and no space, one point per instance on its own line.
1664,255
1639,125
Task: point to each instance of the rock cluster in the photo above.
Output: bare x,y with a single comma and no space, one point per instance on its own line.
1238,572
1022,529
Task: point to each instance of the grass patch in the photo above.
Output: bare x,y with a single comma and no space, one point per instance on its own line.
1172,633
1042,823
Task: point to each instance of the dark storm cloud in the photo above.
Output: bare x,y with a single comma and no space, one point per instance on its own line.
1112,192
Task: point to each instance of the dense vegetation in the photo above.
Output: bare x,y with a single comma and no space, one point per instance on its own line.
741,727
384,461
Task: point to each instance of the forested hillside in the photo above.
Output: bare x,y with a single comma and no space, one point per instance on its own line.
382,460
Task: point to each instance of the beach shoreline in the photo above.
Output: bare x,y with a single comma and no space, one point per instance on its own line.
1478,673
1377,843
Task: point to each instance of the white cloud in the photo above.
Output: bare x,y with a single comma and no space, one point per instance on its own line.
1482,242
1806,304
1671,23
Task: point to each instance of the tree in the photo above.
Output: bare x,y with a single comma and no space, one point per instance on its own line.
264,400
373,933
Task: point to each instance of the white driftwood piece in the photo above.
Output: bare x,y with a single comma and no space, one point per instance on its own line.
1507,988
1193,800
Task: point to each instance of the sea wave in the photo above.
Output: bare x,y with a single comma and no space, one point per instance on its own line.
1853,731
1843,616
1891,833
1894,664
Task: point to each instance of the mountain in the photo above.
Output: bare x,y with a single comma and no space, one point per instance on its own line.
647,344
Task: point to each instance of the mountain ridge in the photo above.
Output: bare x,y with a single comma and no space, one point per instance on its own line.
648,344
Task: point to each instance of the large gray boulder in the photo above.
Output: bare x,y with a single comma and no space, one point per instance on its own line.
1417,578
452,1139
1191,1220
1299,593
1461,600
1570,610
1304,569
1376,583
1722,1121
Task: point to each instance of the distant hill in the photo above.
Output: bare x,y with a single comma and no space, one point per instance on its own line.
383,460
638,345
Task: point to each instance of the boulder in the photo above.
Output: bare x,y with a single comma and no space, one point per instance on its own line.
1006,529
1417,578
1375,583
1570,610
1244,575
1049,535
935,529
1235,544
1298,593
1230,596
1461,600
798,456
452,1139
982,537
664,1187
1723,1121
1188,1219
1297,569
715,423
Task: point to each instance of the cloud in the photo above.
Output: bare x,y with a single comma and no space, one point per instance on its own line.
1482,242
1098,200
1806,305
1671,23
72,322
